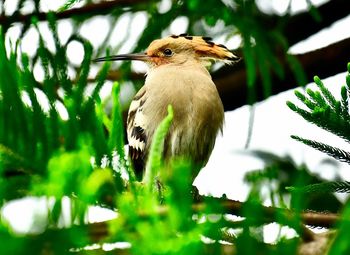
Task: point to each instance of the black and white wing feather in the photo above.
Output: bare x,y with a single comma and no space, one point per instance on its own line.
136,126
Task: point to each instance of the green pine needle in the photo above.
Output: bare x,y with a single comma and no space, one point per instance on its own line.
334,152
324,110
67,5
305,114
326,93
116,138
345,101
292,106
300,95
325,187
348,80
317,97
154,162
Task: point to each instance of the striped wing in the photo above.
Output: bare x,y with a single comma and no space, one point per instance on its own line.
136,132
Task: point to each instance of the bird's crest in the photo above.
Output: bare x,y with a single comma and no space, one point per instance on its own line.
203,46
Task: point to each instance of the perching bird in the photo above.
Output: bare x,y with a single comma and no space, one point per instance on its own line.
177,77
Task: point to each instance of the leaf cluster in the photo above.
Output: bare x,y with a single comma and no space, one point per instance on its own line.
327,113
72,150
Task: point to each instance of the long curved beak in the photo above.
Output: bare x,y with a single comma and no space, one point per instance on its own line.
133,56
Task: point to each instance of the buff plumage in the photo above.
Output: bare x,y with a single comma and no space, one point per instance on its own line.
177,77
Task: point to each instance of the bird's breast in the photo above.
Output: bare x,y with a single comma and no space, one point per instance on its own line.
190,90
198,110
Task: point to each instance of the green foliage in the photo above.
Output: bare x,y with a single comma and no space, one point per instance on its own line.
341,242
55,156
328,113
156,152
336,153
68,4
328,187
325,111
57,153
78,155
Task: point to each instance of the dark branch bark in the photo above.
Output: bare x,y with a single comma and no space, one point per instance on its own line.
90,10
231,81
296,28
301,26
99,231
324,62
310,218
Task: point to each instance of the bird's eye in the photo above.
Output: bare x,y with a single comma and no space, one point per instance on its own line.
168,52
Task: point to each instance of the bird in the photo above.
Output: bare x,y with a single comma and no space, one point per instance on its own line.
177,76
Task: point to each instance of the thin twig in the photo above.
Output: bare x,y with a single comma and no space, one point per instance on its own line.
105,232
98,231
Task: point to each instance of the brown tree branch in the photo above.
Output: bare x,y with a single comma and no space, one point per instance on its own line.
296,27
308,218
99,231
103,232
231,81
302,25
89,10
324,62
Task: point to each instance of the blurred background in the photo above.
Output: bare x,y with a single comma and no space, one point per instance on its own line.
283,44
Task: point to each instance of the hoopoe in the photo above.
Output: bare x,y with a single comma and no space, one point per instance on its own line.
177,76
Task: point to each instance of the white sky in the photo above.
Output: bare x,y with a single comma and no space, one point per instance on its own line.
274,122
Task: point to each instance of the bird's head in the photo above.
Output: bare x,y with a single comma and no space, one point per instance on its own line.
178,49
